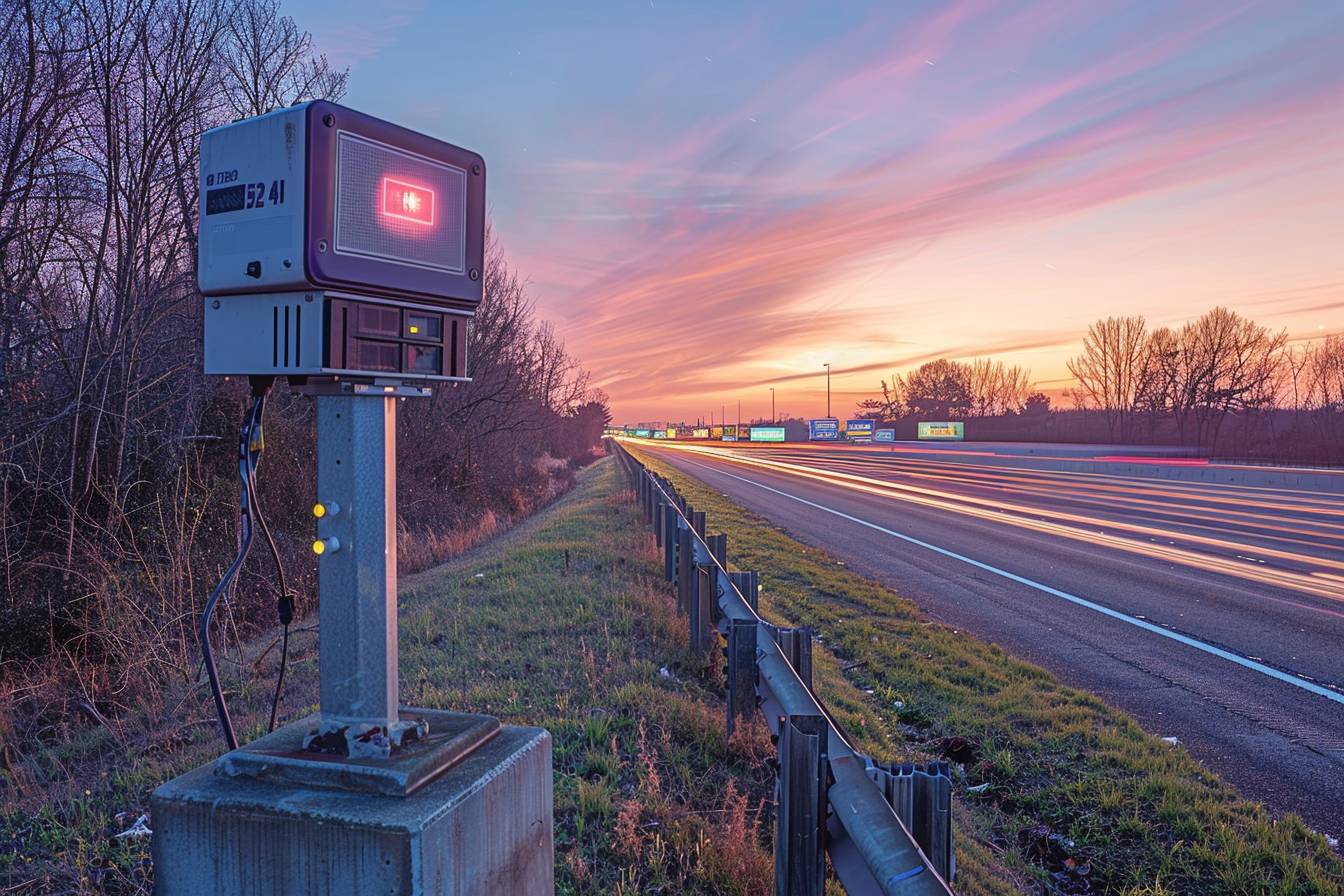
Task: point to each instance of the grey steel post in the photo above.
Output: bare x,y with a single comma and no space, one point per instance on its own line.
800,813
669,541
718,546
796,645
698,522
357,572
703,633
684,539
701,596
659,515
748,585
741,671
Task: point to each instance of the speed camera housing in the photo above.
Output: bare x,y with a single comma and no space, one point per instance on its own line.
369,235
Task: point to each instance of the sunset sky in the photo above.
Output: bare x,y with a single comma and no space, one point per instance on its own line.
710,199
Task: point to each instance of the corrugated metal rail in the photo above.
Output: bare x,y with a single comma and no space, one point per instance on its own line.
830,799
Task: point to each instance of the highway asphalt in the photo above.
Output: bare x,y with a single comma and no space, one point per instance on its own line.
1213,613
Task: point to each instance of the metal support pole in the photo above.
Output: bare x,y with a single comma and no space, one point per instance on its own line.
718,546
741,671
659,511
684,567
357,577
702,616
671,534
800,813
796,645
697,521
748,585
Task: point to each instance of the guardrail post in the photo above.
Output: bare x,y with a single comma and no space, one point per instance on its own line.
800,807
702,596
718,546
796,645
748,585
670,538
684,539
921,797
697,520
741,654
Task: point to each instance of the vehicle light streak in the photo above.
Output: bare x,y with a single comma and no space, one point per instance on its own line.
1155,542
1245,662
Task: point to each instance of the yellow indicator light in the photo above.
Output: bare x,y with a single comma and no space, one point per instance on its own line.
414,329
319,510
319,547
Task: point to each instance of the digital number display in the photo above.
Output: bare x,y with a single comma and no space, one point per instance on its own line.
224,199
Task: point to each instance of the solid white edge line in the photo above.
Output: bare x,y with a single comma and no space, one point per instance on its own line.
1063,595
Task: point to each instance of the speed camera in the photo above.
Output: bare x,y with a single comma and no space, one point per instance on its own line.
335,243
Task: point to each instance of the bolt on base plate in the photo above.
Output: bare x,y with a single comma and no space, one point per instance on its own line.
282,756
365,741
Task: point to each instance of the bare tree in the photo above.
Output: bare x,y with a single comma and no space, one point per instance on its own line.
1109,369
271,62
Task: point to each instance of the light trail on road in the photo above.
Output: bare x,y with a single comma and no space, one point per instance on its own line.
1210,610
1239,551
1255,666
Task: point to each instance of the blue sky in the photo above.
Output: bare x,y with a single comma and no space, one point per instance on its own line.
710,198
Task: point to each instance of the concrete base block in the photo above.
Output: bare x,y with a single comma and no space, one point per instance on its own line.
484,826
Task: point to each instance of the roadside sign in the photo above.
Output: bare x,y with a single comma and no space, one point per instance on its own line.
641,433
859,428
767,433
671,433
702,433
660,433
884,435
730,438
824,429
950,430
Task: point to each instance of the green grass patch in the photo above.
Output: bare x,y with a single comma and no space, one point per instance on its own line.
564,622
1057,787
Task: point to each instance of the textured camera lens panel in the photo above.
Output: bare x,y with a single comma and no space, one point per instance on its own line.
399,207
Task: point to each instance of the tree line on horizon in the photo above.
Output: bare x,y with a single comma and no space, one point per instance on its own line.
118,475
1219,383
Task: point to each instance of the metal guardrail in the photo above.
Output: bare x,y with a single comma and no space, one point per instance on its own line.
830,799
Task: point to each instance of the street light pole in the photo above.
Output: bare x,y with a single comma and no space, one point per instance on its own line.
828,388
772,404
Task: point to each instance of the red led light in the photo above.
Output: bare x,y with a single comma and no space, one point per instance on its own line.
408,202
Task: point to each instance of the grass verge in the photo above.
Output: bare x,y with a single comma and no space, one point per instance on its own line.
562,622
1056,787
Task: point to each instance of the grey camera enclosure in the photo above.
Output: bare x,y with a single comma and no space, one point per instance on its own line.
318,196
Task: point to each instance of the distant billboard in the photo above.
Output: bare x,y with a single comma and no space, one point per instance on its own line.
767,433
671,433
824,429
950,430
884,435
660,433
702,433
859,429
640,433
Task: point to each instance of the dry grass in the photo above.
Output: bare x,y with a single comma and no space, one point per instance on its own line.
564,622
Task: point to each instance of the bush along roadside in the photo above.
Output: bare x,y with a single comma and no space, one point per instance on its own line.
1055,787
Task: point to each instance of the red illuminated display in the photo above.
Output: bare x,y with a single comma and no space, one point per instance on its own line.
408,202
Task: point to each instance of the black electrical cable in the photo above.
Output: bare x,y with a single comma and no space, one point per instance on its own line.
246,464
284,604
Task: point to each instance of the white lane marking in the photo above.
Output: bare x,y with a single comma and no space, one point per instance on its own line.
1138,622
